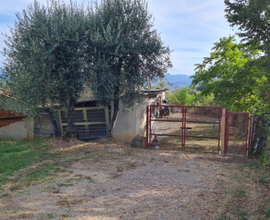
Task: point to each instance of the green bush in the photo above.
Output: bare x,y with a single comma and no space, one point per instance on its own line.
264,160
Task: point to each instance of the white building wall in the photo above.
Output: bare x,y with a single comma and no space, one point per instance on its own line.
130,125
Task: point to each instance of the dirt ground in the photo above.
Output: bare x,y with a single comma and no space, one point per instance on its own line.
109,180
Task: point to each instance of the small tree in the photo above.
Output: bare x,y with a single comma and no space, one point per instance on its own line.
160,84
126,51
251,18
230,74
181,97
45,64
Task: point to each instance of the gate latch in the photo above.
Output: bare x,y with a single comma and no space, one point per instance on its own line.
186,127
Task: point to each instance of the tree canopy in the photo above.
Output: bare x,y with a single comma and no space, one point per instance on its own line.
251,18
125,51
231,75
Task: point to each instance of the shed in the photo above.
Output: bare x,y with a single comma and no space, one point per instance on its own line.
90,122
15,125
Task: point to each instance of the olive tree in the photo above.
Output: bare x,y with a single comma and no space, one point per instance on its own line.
45,58
125,51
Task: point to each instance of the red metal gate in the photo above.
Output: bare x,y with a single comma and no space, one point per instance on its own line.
236,132
189,122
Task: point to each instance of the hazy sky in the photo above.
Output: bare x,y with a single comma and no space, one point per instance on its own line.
189,27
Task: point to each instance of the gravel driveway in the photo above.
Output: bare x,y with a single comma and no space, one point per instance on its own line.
134,184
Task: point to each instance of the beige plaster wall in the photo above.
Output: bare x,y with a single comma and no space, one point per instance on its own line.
15,130
22,130
130,125
125,126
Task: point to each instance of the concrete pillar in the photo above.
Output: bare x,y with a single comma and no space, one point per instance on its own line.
223,128
29,126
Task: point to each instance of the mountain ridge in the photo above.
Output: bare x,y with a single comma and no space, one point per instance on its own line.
172,81
179,80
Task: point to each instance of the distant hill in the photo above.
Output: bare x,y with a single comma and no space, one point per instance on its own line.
177,80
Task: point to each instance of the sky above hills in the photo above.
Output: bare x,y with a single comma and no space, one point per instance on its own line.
189,27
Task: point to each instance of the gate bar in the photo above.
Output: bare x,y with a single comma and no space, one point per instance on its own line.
183,125
220,116
174,135
247,134
147,126
150,116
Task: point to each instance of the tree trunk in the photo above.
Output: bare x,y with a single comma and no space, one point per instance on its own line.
71,107
114,117
116,101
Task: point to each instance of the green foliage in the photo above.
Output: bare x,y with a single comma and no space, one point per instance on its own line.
160,84
232,75
205,100
44,55
251,17
180,97
264,159
129,52
126,52
189,96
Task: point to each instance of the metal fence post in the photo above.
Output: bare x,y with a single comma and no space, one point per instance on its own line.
252,130
147,126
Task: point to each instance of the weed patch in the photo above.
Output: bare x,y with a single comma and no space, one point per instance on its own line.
51,215
73,179
262,179
64,184
39,175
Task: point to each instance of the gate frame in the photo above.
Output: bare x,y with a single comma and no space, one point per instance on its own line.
227,130
149,120
184,121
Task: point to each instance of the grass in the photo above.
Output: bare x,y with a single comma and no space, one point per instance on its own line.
245,192
73,179
16,155
242,215
262,179
51,215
